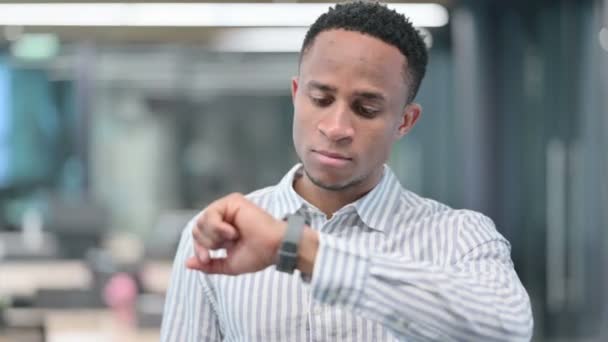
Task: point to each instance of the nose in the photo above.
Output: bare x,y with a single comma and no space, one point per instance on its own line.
337,125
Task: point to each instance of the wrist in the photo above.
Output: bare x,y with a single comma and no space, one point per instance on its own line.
307,253
287,255
281,229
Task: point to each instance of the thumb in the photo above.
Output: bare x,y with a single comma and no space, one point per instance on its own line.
214,266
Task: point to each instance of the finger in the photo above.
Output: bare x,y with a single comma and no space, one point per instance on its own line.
194,263
206,242
215,240
228,232
202,258
220,214
228,244
212,227
215,266
220,232
201,253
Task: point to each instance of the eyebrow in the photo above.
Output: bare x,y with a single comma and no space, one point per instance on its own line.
369,95
320,86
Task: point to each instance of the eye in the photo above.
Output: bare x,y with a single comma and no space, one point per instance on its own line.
321,101
366,111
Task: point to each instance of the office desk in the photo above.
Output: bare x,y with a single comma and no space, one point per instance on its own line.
89,325
20,335
92,325
24,278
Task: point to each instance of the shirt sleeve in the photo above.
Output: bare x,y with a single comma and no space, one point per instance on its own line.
189,313
476,297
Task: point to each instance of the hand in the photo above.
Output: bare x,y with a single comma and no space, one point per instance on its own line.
250,235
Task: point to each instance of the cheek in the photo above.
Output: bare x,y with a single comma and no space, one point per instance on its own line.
302,121
295,130
299,130
379,143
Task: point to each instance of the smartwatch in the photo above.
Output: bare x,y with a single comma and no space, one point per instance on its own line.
287,256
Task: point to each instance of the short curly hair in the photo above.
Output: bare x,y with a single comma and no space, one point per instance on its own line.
376,20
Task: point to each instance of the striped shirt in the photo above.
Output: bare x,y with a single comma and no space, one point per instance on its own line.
391,266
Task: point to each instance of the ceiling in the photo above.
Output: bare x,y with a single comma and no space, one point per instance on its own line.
188,35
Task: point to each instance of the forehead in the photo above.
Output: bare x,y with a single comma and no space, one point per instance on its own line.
354,57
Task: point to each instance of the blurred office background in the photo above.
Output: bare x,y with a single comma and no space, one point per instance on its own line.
118,123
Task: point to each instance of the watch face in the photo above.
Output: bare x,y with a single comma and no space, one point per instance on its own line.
287,261
288,252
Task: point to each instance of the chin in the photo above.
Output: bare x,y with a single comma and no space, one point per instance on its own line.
331,186
329,180
329,174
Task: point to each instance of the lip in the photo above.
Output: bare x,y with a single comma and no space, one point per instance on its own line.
333,155
332,159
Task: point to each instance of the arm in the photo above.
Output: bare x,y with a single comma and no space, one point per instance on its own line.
189,313
474,296
478,297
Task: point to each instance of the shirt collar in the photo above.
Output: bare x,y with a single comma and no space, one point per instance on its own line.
288,197
375,207
372,208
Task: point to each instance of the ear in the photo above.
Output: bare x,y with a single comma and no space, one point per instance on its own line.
408,119
294,88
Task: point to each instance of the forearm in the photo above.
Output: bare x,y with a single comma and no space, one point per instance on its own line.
307,252
476,299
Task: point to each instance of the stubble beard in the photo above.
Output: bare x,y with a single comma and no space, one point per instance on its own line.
334,187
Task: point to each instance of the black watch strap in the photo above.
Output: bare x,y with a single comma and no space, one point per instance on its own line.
287,258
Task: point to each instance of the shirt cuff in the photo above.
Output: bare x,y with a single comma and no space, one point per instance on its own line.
340,272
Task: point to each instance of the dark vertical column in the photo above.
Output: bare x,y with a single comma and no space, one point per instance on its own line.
84,77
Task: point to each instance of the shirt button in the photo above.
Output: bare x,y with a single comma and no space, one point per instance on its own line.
317,310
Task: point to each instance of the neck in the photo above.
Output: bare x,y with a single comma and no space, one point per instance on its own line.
330,201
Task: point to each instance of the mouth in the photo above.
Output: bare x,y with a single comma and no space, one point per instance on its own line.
332,154
329,158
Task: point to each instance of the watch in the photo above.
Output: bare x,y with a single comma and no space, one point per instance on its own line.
287,256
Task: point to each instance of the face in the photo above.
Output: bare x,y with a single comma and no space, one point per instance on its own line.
350,107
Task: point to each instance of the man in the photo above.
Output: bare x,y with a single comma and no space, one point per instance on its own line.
371,261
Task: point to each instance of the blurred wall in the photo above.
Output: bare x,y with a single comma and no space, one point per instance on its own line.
533,113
